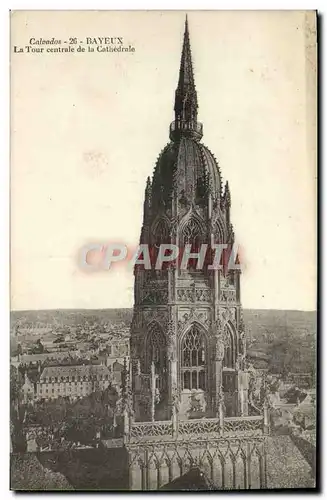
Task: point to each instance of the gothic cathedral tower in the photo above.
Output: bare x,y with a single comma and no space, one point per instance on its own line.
187,335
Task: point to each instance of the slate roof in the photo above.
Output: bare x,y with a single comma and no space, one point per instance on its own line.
78,371
286,467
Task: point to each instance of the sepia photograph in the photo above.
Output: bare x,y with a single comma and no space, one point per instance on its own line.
163,295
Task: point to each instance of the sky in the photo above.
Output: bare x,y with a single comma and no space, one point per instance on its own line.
87,128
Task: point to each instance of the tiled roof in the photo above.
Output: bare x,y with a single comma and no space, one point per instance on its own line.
286,467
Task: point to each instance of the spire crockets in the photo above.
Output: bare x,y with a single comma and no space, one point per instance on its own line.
186,102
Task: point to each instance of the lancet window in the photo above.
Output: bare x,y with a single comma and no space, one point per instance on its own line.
193,359
229,352
157,355
192,234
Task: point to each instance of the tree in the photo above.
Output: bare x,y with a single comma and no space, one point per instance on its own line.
16,384
80,430
38,348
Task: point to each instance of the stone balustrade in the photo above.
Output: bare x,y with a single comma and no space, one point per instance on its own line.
197,428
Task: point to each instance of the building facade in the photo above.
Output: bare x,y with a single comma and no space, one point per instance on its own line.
188,376
72,381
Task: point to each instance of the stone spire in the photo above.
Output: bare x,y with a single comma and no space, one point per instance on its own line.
186,102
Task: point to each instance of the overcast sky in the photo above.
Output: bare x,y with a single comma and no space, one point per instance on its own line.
87,129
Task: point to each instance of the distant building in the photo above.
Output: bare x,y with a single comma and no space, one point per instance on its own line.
305,412
28,390
34,359
72,381
116,351
35,330
117,372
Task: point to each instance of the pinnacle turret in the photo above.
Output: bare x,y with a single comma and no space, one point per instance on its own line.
227,195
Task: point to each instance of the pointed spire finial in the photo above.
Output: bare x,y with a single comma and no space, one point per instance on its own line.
186,78
186,102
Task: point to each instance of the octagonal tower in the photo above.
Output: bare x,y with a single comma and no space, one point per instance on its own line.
187,334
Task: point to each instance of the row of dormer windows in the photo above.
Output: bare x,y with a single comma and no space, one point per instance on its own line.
84,378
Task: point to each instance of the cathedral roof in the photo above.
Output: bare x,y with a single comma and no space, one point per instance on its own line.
185,163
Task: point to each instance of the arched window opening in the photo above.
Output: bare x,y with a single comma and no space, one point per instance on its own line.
160,236
192,235
161,232
219,233
193,359
157,354
229,352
